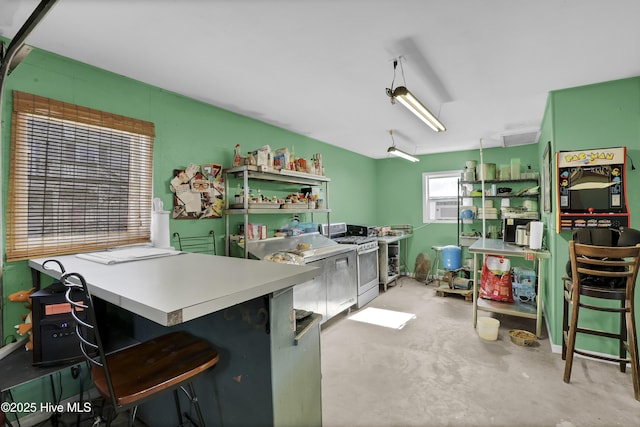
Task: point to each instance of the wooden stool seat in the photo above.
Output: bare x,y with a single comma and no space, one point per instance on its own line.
152,366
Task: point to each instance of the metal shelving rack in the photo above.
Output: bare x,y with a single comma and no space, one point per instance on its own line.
248,173
496,197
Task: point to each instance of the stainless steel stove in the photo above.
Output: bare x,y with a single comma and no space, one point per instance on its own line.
365,240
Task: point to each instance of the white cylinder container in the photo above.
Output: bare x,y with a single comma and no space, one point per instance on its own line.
535,234
160,229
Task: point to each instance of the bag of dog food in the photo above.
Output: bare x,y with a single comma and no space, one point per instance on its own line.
495,281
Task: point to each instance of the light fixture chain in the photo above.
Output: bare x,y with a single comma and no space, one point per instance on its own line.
402,72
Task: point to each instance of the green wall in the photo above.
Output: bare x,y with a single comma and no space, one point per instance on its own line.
552,304
399,191
595,116
186,131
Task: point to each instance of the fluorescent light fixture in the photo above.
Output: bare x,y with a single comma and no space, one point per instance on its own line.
399,153
407,99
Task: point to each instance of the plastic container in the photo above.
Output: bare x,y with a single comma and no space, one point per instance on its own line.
520,337
486,171
535,235
515,168
504,172
488,328
451,257
308,227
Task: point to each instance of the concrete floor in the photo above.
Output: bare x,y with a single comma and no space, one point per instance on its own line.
436,371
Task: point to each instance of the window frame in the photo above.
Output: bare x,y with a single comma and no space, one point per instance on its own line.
20,241
427,201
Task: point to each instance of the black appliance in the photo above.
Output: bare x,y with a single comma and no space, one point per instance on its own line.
509,226
54,328
361,230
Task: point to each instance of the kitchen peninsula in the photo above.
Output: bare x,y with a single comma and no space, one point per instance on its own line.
243,307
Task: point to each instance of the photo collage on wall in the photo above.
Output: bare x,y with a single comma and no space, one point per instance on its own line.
198,192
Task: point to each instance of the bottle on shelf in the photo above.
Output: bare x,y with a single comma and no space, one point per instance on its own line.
237,158
239,196
292,160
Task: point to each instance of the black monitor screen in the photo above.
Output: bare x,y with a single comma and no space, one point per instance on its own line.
594,189
596,198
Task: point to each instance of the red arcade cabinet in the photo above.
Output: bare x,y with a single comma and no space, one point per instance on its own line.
591,189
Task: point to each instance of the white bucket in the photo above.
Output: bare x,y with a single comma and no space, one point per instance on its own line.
488,328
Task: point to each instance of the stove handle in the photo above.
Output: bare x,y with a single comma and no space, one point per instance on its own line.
342,263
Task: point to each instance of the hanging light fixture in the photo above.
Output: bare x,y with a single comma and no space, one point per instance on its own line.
406,98
399,153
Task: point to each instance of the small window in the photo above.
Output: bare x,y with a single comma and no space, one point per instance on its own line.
80,179
440,196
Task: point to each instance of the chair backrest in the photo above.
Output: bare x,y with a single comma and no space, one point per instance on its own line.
597,236
601,265
205,244
83,313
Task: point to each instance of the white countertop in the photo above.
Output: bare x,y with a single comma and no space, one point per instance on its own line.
176,289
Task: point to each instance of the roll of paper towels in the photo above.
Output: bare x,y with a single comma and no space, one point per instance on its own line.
159,225
535,234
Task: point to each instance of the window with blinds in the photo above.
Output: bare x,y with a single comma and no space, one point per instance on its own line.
79,180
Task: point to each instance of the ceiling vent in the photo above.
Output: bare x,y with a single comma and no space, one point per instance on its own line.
513,139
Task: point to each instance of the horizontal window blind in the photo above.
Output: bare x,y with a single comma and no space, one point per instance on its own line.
79,180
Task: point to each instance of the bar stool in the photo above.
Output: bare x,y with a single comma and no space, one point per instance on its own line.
130,376
605,273
436,264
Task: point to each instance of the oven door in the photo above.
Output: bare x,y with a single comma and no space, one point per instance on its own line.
367,270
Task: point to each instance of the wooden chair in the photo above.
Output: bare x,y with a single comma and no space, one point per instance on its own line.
205,244
130,376
595,272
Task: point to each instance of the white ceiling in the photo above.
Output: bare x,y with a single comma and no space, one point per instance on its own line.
320,67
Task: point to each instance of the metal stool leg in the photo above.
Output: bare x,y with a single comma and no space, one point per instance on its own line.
436,264
176,398
194,399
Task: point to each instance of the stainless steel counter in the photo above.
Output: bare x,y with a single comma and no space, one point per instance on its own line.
319,247
335,287
498,247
